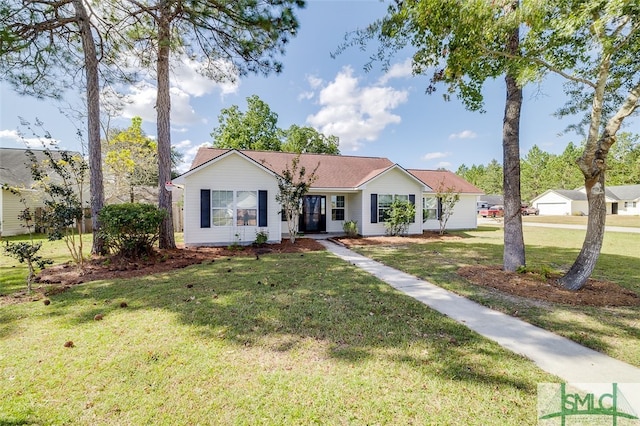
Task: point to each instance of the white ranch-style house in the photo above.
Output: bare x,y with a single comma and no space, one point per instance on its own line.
230,195
622,200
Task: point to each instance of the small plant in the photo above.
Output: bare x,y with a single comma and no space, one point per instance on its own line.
236,244
262,236
350,227
26,251
543,272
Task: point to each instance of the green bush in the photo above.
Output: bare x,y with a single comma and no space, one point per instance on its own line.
262,236
131,229
350,227
399,216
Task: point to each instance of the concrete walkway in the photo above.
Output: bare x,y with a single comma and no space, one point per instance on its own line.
557,355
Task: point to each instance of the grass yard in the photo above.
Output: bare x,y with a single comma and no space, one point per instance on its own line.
287,339
614,331
612,220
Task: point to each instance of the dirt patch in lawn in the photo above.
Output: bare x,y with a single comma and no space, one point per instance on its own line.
59,278
528,285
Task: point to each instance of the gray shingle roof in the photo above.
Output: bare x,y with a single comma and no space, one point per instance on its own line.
572,194
15,166
624,192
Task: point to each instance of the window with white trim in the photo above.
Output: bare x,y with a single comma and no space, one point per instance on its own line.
238,208
384,203
222,206
429,208
337,207
629,204
247,208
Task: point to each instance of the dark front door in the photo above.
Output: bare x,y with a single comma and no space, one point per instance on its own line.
314,214
614,208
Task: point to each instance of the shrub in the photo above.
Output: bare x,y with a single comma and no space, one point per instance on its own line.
262,236
399,216
350,227
131,229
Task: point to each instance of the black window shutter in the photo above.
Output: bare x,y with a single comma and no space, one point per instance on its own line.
374,208
412,200
205,208
439,208
262,208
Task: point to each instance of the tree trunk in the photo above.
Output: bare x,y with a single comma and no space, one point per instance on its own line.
514,255
593,164
163,110
584,264
96,184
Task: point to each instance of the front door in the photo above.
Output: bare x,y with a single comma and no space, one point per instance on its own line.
614,208
314,214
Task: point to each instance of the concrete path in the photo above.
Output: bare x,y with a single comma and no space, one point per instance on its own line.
557,355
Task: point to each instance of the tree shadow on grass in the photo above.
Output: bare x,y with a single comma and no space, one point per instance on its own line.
282,301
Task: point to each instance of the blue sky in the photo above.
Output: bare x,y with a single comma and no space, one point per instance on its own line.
373,113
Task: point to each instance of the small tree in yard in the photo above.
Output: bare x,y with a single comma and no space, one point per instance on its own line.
399,216
26,251
448,197
62,178
293,185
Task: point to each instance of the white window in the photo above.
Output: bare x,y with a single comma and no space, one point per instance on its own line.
222,204
337,207
247,208
384,203
238,206
429,208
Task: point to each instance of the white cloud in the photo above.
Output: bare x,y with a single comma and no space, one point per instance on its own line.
399,70
465,134
435,155
355,113
314,81
186,83
9,134
15,137
189,151
305,96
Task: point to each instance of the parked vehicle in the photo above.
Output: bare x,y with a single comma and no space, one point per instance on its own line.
493,211
526,210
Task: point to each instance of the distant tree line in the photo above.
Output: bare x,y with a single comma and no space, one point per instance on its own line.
542,170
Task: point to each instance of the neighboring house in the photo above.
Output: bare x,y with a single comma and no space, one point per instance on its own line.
229,195
486,201
15,172
623,199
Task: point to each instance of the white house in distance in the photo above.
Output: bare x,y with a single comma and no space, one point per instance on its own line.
15,173
622,200
229,195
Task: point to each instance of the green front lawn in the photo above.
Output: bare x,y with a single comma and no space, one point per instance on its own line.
614,331
287,339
